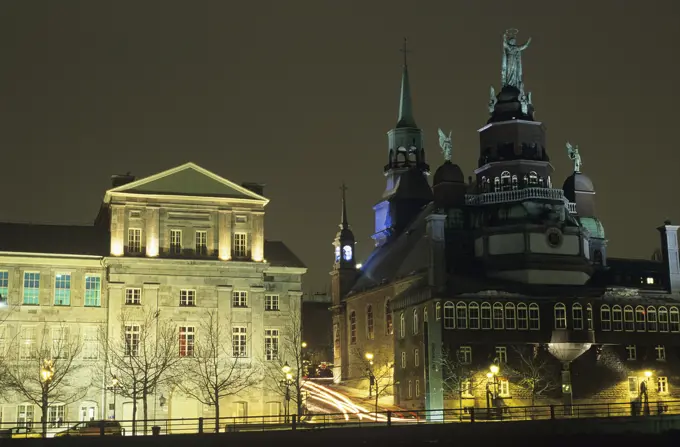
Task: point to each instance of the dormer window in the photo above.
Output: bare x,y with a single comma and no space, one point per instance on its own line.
505,180
533,178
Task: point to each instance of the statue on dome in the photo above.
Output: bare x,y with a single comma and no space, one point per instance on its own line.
512,59
492,99
574,156
445,144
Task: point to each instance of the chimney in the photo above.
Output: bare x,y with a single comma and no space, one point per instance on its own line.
437,242
669,251
257,188
121,179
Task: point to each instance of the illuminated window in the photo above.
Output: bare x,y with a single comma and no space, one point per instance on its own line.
271,344
498,316
133,295
403,359
503,387
187,297
534,317
461,315
239,341
449,315
510,321
389,329
633,387
32,288
175,242
651,319
62,289
533,178
577,316
186,341
650,280
240,245
660,352
93,291
473,315
415,322
369,322
56,414
522,317
663,319
496,184
353,327
466,388
271,302
91,343
514,182
134,240
4,285
402,325
640,319
25,415
239,298
605,318
617,318
505,180
632,352
628,318
132,333
662,385
201,243
416,357
465,354
502,354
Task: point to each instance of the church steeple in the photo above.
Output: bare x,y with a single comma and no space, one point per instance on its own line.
344,240
405,118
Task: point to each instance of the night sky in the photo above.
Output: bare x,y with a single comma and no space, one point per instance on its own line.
299,94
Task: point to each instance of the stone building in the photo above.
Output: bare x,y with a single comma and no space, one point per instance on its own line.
474,284
175,245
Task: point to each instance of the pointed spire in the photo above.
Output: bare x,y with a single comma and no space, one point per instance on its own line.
344,225
405,108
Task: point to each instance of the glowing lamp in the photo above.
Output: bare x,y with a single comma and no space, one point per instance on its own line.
304,344
494,369
369,356
285,368
116,248
489,375
152,247
289,377
359,266
648,374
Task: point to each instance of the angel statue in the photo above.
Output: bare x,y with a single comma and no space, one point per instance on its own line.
492,99
445,144
574,156
512,59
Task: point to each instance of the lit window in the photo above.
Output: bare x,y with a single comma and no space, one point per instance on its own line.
133,295
632,352
473,315
175,242
465,354
449,315
55,415
504,387
239,341
134,240
240,245
239,298
662,385
25,415
271,302
403,359
187,298
577,316
369,322
660,352
62,289
4,285
132,332
650,280
560,316
31,288
416,357
415,322
502,354
186,341
271,344
402,325
633,387
466,388
201,242
353,327
93,291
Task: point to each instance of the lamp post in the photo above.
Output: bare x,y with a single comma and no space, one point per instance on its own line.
286,383
492,378
46,376
644,392
114,387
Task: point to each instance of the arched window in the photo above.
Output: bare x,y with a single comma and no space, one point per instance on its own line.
505,180
484,185
473,315
534,317
369,322
675,319
605,318
651,319
498,316
389,329
496,184
402,325
514,182
533,178
425,314
560,316
449,315
415,321
461,315
663,319
353,327
522,317
438,311
589,316
486,315
617,318
628,319
510,322
577,317
640,319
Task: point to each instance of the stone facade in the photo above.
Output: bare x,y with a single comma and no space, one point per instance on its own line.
182,243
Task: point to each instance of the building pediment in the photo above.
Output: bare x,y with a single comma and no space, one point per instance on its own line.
188,180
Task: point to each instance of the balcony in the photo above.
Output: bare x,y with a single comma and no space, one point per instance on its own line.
518,195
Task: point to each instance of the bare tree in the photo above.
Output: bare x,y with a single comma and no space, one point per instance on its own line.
378,370
457,377
533,371
6,311
45,368
209,369
142,356
284,361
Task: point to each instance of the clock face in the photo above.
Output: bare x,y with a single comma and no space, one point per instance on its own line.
337,254
347,252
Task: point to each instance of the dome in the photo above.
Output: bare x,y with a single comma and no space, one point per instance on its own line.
577,182
448,173
508,106
593,225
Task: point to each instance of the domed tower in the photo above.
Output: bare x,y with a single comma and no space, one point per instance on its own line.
449,182
525,231
580,192
407,189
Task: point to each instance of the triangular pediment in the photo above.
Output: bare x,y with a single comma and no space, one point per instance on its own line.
188,180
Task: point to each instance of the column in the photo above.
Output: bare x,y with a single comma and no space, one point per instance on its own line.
257,236
117,230
152,231
224,234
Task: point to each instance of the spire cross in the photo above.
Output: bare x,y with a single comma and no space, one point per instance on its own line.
405,50
343,188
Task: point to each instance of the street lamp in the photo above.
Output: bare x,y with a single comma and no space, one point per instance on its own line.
304,344
286,383
492,375
114,387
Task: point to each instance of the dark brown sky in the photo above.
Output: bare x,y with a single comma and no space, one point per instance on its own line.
299,94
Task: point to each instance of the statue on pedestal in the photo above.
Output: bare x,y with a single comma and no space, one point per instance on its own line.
512,59
445,144
574,156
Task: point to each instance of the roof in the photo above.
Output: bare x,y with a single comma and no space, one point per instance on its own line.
278,254
54,239
188,179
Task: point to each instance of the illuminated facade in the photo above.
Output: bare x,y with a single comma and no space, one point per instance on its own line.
504,270
178,244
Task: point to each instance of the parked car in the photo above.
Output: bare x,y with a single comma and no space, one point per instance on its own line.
19,433
93,428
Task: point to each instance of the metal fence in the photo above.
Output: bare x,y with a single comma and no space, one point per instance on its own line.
19,430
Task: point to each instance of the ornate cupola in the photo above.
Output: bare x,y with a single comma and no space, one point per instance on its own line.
407,189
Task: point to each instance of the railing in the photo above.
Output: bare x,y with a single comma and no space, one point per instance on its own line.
517,195
339,420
